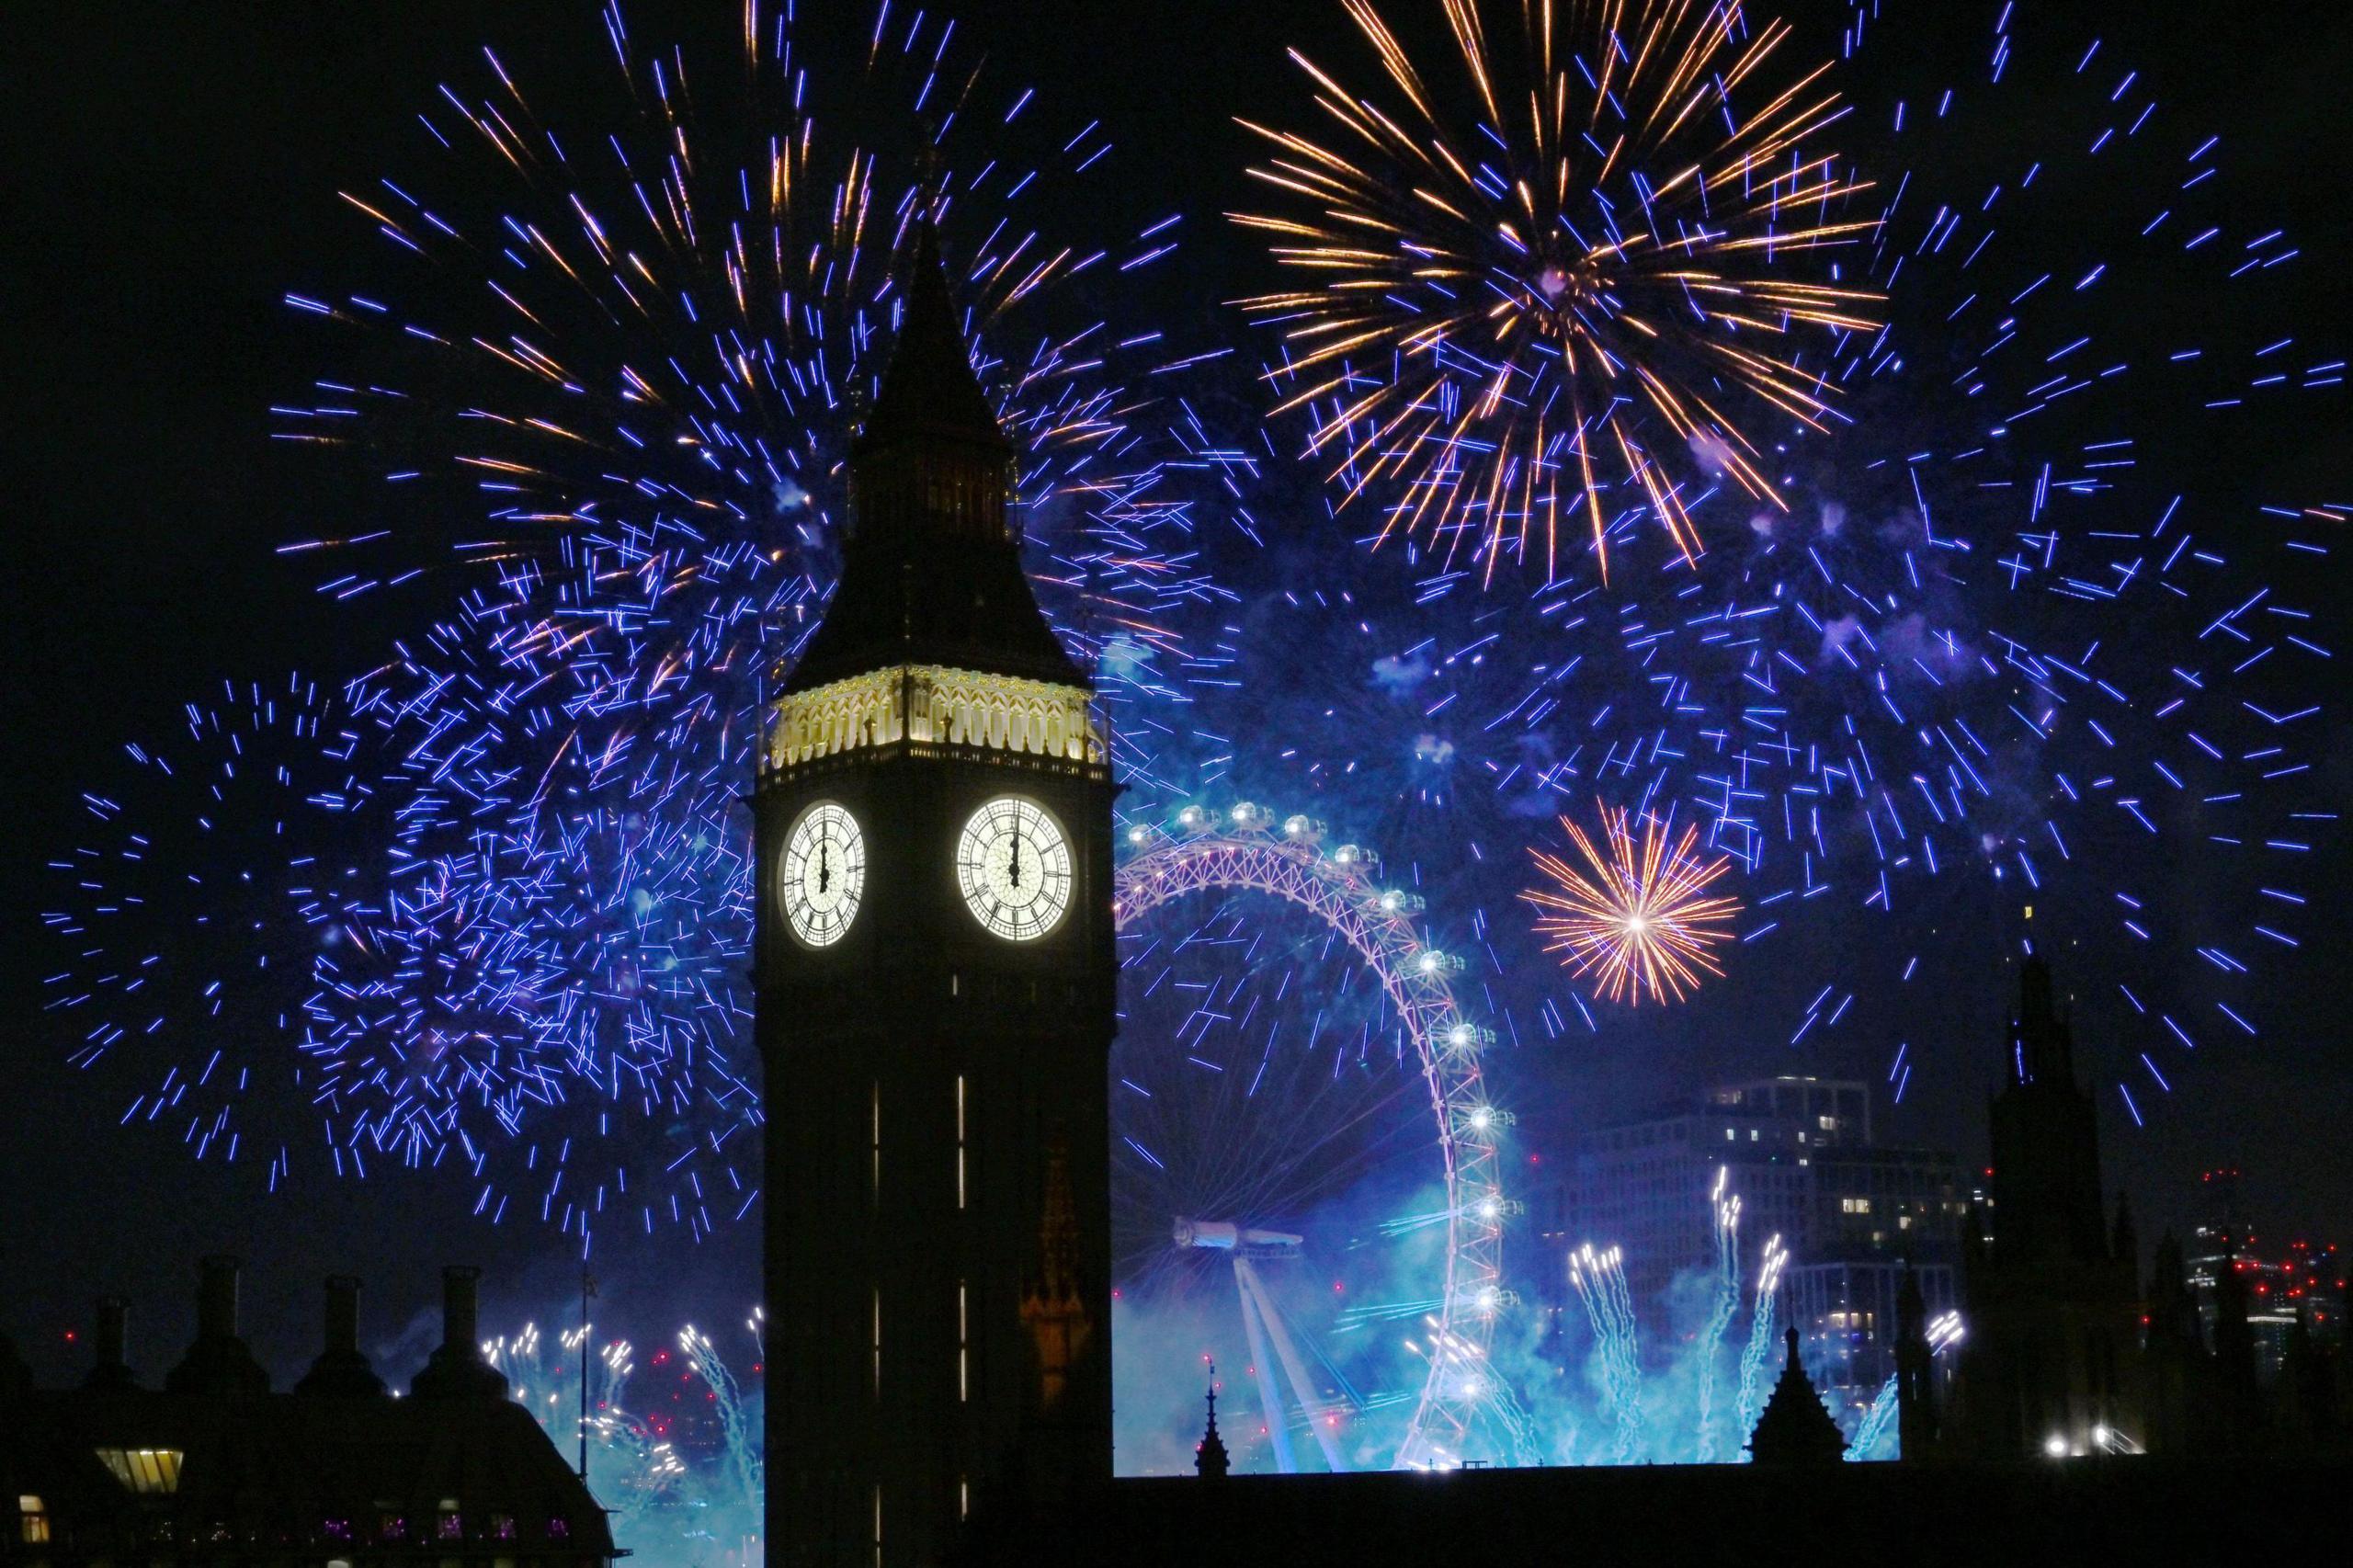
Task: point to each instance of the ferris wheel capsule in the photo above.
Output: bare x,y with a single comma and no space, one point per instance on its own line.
1251,817
1193,819
1396,903
1303,829
1356,857
1467,1037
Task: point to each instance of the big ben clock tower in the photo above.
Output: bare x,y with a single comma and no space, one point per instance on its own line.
935,977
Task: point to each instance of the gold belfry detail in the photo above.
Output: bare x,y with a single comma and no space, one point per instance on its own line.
937,707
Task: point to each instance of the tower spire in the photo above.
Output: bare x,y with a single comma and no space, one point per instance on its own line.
1210,1459
931,572
928,388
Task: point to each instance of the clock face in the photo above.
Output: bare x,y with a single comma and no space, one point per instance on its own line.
1013,864
822,874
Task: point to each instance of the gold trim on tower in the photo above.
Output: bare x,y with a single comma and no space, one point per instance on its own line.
933,705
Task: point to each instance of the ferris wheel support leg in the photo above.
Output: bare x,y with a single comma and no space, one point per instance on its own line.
1293,1368
1262,1367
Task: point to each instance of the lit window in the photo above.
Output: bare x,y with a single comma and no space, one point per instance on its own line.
1752,1135
1828,1123
148,1471
1728,1137
450,1525
34,1524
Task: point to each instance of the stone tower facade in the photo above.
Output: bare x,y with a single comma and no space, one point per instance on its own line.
936,984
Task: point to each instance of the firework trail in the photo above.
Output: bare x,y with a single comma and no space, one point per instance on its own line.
742,1453
1760,1334
2000,651
1942,1333
1600,1282
1875,1418
597,384
674,1502
223,882
1538,285
631,351
1723,1302
1644,922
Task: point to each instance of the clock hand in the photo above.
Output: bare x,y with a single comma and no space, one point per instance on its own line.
825,867
1017,852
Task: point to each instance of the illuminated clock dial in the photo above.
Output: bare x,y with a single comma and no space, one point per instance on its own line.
820,875
1013,864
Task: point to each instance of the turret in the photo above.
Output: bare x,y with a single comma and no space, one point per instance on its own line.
1916,1386
2172,1309
2124,1238
1795,1428
2234,1349
2045,1141
1210,1462
2045,1044
15,1378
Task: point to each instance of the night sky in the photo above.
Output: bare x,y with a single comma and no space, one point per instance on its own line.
174,173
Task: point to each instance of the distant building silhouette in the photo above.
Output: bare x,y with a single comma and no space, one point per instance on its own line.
2051,1295
1802,1157
216,1469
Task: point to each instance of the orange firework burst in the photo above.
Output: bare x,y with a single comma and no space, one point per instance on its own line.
1517,314
1643,920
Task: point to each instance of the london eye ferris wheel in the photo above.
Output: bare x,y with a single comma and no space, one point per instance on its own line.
1304,1173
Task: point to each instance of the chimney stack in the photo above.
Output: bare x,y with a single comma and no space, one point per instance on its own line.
110,1372
218,1363
343,1314
216,1296
341,1371
461,1306
457,1371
